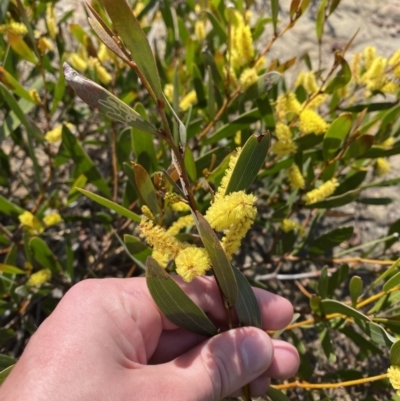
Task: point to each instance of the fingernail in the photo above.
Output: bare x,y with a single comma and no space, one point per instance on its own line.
257,351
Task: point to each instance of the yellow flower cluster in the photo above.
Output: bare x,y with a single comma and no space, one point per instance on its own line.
382,167
248,77
229,75
14,27
295,177
77,62
192,262
188,100
200,30
394,377
102,73
44,44
374,78
285,144
316,101
228,174
55,135
355,67
30,222
182,222
51,21
40,277
290,225
287,103
242,50
322,192
52,219
308,81
312,122
169,92
147,212
395,62
35,96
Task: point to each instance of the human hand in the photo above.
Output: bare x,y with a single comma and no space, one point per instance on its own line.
107,340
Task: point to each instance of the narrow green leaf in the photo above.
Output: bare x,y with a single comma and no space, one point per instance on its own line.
20,47
359,147
211,95
246,306
137,248
336,134
174,303
320,19
134,38
4,373
376,333
274,13
10,82
276,395
43,254
333,6
393,229
342,78
190,164
294,7
72,149
97,97
326,343
9,209
266,112
73,193
323,282
332,306
355,288
370,107
250,160
9,269
59,91
337,278
219,261
395,354
392,282
363,344
146,188
111,205
331,239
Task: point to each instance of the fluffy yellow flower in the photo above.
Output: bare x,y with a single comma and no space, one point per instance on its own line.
200,30
395,61
244,43
287,103
14,27
54,135
169,92
382,166
161,257
387,143
181,223
192,262
35,96
290,225
394,377
231,209
147,212
308,81
77,62
315,102
30,222
369,56
52,219
40,277
295,177
283,132
321,193
158,238
260,63
234,235
311,122
103,74
188,100
180,206
283,148
228,173
103,54
390,87
248,77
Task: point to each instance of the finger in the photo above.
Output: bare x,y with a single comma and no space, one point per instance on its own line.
221,365
285,362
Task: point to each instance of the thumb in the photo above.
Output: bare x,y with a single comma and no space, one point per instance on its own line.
223,364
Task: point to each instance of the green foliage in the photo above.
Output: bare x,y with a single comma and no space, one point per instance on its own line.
156,133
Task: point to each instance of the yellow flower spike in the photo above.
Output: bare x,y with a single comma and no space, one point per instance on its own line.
229,75
231,209
181,223
52,219
290,225
307,79
188,100
158,238
376,70
287,103
283,148
147,212
54,135
391,87
260,64
369,56
234,235
355,67
283,132
77,62
228,174
394,377
387,143
169,92
103,74
244,42
35,96
180,207
44,44
103,53
248,77
311,122
161,257
322,192
40,277
295,177
51,21
14,27
30,222
192,262
200,30
395,59
382,167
